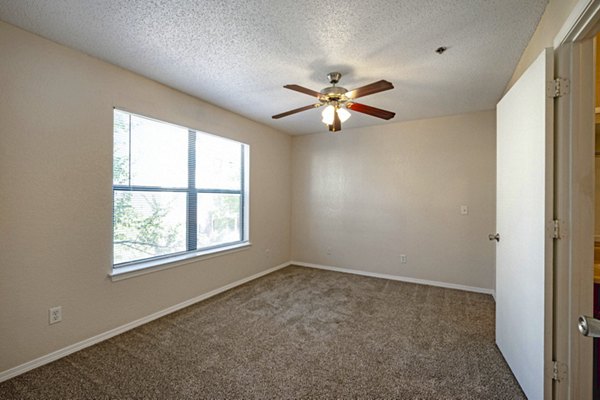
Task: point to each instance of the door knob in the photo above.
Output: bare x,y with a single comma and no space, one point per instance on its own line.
495,237
589,326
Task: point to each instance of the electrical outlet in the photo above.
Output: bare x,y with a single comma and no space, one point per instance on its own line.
464,210
403,258
268,252
54,315
329,251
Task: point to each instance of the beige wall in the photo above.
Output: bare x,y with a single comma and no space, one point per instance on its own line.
368,195
56,109
554,17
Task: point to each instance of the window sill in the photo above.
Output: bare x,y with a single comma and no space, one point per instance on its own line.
148,267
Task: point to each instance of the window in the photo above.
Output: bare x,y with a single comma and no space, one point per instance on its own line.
176,191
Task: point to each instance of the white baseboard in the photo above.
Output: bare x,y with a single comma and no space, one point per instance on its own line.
397,278
48,358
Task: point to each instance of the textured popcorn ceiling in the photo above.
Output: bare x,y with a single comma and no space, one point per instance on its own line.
239,54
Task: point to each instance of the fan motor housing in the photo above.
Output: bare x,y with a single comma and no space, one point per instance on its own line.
334,92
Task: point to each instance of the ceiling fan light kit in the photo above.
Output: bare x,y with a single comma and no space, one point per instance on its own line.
337,100
328,116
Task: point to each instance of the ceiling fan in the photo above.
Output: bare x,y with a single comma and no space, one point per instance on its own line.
337,101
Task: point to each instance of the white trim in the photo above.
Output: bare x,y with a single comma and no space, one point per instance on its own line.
142,268
579,22
397,278
38,362
48,358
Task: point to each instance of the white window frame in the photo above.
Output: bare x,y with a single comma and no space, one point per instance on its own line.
192,253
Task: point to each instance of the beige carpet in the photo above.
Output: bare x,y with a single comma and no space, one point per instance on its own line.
296,333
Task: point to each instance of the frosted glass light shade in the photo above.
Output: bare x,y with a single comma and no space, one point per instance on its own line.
343,114
327,115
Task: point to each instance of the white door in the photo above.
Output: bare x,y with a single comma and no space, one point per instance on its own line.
524,201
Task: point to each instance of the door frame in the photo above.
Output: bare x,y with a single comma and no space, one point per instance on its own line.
574,200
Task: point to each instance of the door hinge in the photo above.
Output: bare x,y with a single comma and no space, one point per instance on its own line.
556,229
557,87
559,371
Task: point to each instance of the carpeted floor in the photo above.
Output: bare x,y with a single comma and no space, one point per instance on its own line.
296,333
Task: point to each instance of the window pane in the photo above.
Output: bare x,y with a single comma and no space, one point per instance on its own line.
148,224
152,160
218,163
218,219
159,154
121,148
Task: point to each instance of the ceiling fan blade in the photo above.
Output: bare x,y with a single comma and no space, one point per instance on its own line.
372,88
375,112
297,110
302,89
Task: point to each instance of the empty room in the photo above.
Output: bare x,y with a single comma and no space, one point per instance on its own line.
299,199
